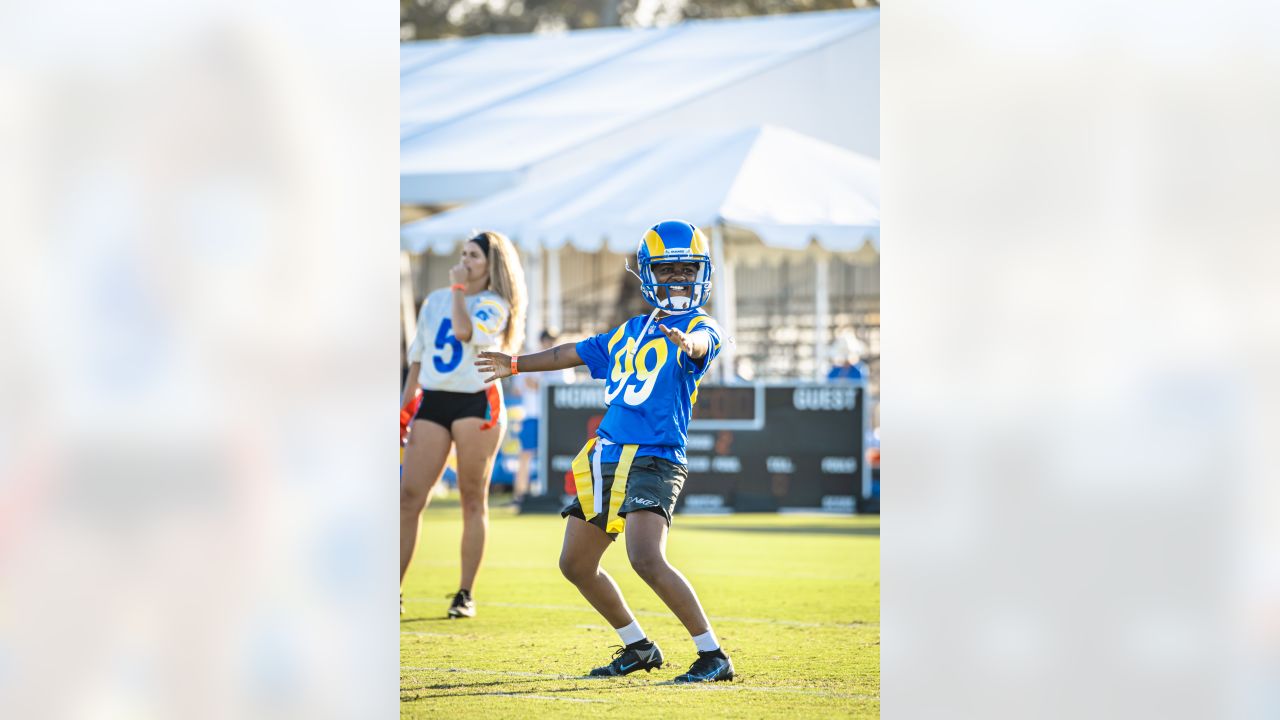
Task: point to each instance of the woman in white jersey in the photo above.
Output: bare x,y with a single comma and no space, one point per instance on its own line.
482,310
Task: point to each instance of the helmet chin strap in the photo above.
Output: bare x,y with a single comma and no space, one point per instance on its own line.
644,332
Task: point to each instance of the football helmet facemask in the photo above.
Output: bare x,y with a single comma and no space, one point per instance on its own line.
669,242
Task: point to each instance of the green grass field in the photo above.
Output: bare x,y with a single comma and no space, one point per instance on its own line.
795,601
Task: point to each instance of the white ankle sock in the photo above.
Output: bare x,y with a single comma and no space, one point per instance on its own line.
631,633
706,642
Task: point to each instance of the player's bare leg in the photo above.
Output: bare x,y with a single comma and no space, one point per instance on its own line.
424,459
524,469
584,545
647,549
476,452
646,536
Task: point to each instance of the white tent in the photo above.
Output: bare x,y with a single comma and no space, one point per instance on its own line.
484,114
781,186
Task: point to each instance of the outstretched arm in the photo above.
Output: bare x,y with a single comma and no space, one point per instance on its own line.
498,365
695,344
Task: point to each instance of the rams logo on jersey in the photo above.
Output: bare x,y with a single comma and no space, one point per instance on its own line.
489,317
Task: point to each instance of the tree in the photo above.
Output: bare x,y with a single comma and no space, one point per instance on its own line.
738,8
432,19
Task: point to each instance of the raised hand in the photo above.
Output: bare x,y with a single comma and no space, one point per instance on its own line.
458,274
682,340
496,363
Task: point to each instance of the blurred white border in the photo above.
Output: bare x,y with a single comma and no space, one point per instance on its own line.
1080,343
198,359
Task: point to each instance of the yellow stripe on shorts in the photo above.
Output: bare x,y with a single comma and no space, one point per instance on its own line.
582,478
618,494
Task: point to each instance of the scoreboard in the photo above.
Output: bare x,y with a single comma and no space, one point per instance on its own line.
763,447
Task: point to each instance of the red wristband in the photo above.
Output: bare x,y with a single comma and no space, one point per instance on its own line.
457,286
515,370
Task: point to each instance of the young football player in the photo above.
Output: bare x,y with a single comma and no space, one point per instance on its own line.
483,308
631,473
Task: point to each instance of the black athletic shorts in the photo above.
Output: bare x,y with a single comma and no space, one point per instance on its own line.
443,407
608,491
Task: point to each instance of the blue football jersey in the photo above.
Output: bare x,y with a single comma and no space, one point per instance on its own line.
650,385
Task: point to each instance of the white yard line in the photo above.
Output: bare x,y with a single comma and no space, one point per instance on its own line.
508,673
518,696
777,576
719,686
719,573
651,613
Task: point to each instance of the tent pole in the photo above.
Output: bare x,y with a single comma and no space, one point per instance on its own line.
821,316
408,313
533,277
555,301
726,304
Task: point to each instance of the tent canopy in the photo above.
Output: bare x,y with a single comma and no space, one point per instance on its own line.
483,114
778,184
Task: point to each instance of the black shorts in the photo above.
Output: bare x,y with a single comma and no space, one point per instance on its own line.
608,491
443,407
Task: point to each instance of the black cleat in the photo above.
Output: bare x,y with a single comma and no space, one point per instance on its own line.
462,606
709,667
630,659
